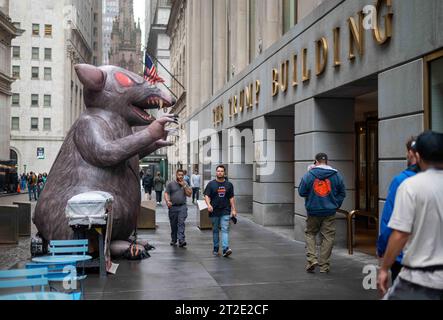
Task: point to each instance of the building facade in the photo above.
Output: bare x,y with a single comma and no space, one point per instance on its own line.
126,39
47,96
157,46
110,13
8,31
272,83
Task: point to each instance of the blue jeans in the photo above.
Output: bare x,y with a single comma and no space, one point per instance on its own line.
224,222
32,190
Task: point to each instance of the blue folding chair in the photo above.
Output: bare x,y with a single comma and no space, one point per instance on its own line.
24,278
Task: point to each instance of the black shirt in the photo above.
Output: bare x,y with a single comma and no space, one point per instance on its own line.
220,194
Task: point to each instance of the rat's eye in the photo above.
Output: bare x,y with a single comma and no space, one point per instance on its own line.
123,80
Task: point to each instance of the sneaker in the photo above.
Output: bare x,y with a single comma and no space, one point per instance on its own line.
227,252
324,271
215,252
310,268
182,244
173,243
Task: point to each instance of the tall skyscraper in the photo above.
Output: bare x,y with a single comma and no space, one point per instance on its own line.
110,13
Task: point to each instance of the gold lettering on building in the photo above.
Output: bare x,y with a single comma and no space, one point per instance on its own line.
337,60
356,37
241,103
257,92
306,73
284,74
321,55
294,71
379,38
218,115
275,85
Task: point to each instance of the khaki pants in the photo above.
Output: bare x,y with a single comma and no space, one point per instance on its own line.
326,227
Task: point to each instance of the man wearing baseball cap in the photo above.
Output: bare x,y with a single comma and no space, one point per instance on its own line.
324,191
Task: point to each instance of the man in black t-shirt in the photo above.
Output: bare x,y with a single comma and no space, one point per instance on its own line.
219,197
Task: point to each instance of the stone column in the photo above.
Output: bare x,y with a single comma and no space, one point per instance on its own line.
273,188
194,64
401,114
206,50
240,157
324,125
219,38
241,44
272,28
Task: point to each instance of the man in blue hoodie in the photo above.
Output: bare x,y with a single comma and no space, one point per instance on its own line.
385,231
324,191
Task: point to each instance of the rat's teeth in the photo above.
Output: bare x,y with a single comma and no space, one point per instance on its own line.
161,104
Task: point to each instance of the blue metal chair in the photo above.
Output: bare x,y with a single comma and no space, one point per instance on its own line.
30,278
74,247
24,278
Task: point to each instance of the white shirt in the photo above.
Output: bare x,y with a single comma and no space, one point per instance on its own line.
195,181
418,210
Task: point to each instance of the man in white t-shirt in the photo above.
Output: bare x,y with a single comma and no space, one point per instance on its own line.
417,224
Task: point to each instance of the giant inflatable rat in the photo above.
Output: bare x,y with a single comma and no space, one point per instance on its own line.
101,152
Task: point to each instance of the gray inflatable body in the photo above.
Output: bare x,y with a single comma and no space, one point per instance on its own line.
101,152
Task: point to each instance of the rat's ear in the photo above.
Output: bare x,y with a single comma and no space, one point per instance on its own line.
91,77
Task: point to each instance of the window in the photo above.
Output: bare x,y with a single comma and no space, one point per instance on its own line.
48,74
47,124
436,94
16,72
34,100
48,54
15,123
16,52
34,73
289,14
47,100
35,29
34,124
48,30
35,53
15,99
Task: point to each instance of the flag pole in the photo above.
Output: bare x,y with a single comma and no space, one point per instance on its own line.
164,84
155,58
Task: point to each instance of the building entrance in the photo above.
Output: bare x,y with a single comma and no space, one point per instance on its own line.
366,168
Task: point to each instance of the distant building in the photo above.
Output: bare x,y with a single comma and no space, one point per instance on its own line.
126,39
47,96
110,13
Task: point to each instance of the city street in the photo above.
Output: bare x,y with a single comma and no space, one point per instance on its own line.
264,265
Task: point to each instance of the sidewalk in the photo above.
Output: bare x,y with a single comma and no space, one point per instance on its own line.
264,265
16,253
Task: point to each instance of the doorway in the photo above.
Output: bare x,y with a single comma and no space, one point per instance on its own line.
366,172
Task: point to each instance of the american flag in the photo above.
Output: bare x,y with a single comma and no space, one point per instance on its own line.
151,74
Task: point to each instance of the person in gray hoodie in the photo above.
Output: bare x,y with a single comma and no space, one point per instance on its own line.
324,191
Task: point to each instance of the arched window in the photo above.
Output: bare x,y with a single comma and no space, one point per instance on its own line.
13,156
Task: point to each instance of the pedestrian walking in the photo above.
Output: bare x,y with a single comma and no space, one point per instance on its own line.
187,178
195,185
23,180
417,224
219,197
148,183
40,185
385,231
32,186
175,196
159,185
324,191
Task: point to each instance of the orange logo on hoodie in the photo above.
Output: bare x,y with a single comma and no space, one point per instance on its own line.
322,188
